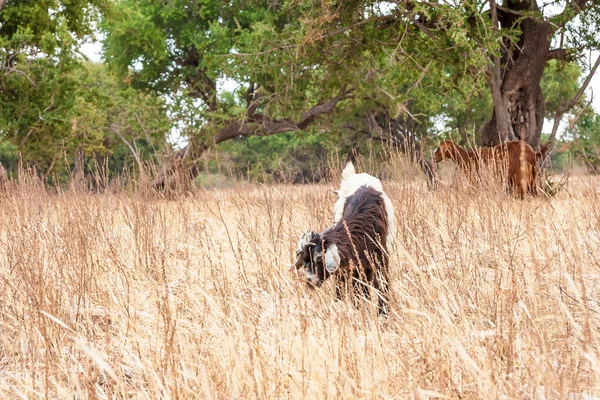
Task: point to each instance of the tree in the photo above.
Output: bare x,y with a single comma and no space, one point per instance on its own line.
181,49
57,109
111,119
38,54
357,62
510,43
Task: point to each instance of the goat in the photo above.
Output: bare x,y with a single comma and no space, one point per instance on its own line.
356,245
516,158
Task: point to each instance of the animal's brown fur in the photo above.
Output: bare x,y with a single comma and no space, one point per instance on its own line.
517,159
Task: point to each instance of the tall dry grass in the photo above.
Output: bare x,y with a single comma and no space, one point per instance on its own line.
126,295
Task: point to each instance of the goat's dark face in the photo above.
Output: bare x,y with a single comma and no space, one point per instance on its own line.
317,259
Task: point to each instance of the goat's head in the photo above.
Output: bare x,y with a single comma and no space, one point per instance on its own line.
445,150
318,258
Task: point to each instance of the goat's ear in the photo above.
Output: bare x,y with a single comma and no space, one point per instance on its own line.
348,171
299,261
332,259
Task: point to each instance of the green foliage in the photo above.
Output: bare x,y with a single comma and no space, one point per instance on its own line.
9,156
85,109
45,18
110,118
586,144
55,107
284,57
295,156
559,83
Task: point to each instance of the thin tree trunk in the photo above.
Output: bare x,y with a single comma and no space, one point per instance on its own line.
132,150
78,178
495,79
51,167
3,177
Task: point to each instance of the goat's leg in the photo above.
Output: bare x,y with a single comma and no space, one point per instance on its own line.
366,292
381,284
360,289
340,286
533,181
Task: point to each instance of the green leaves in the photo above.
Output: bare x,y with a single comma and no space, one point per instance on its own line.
559,84
45,17
53,105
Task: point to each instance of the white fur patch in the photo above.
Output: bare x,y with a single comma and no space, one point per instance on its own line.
348,171
351,182
332,259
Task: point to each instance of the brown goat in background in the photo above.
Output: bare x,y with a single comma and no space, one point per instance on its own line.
516,159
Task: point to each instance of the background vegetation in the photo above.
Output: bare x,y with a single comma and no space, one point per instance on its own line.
283,86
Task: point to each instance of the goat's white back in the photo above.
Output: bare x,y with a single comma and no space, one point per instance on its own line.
351,181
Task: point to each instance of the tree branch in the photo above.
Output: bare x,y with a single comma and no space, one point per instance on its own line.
262,126
49,170
135,154
568,105
425,29
562,54
564,107
571,10
258,125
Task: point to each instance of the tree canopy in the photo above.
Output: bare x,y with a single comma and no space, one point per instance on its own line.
326,76
55,106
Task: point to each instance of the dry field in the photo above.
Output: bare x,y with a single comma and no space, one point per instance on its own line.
126,295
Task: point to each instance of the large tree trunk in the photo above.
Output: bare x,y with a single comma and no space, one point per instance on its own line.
522,67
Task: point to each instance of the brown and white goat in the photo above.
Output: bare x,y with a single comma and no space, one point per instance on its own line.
516,159
355,247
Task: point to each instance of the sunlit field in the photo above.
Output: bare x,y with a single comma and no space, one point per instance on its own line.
133,295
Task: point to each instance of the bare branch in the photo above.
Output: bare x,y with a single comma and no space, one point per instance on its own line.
51,107
425,29
135,154
309,116
49,170
509,10
19,72
564,107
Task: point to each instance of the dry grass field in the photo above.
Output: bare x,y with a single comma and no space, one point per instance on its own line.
131,296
